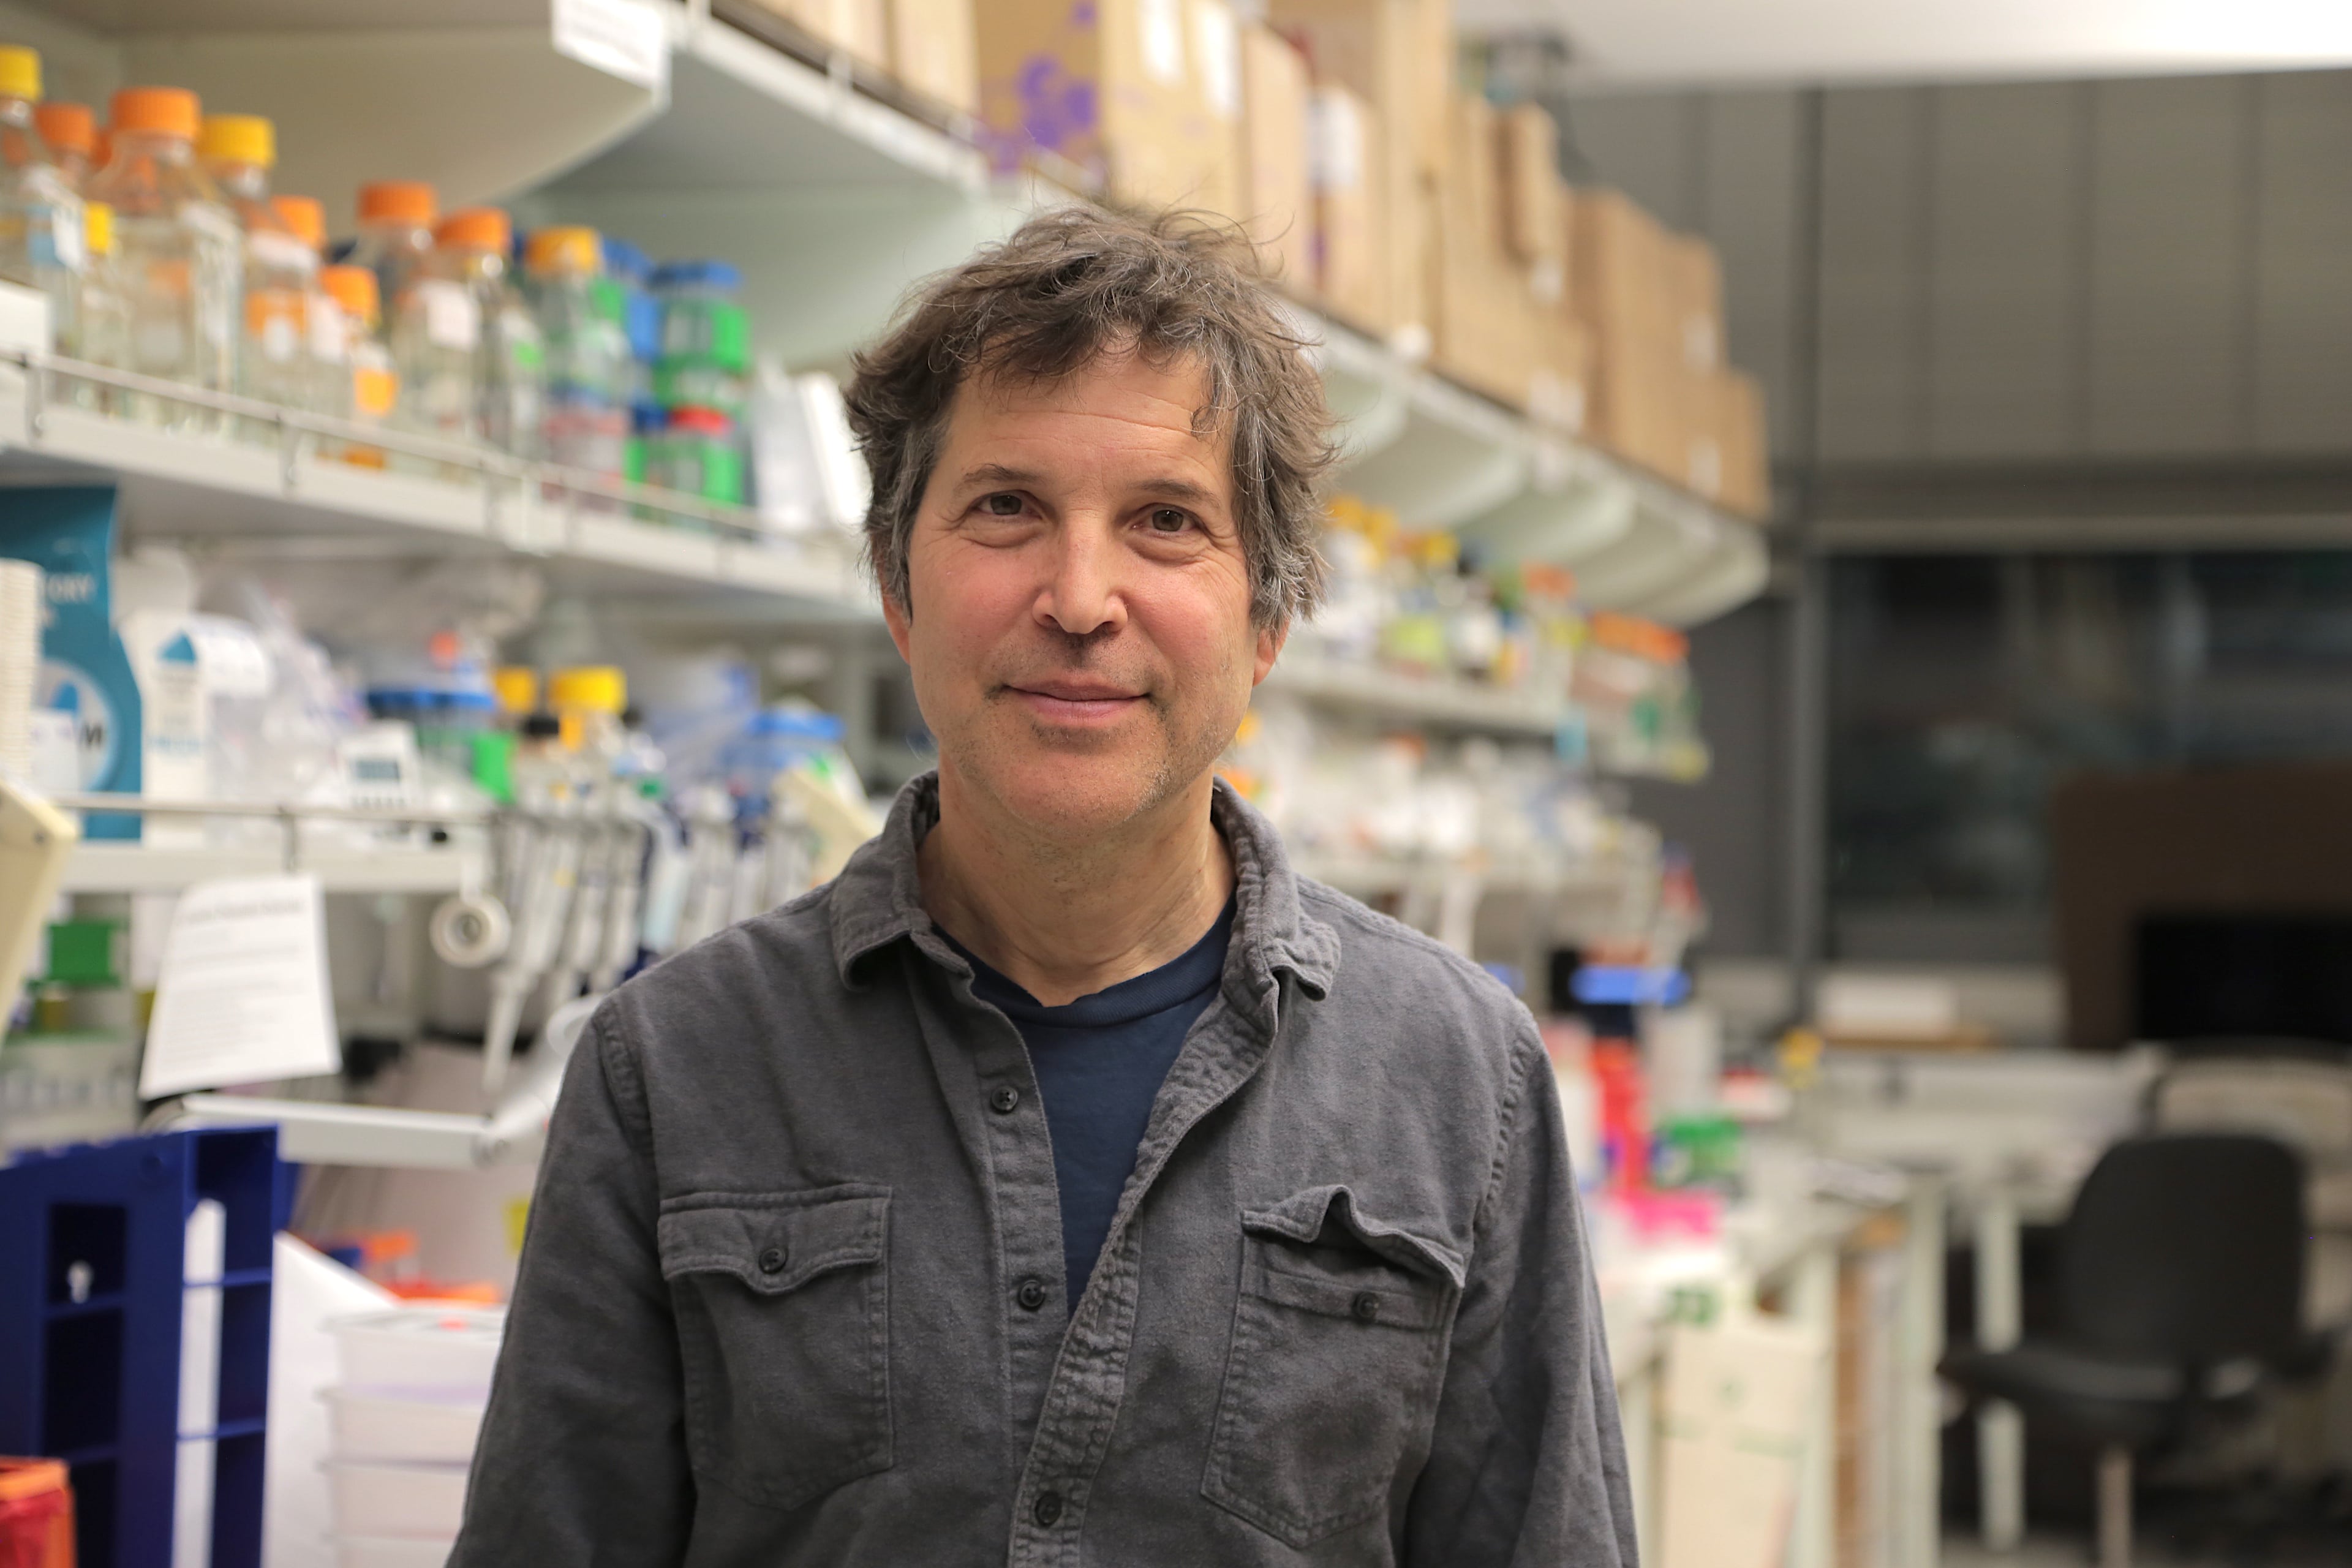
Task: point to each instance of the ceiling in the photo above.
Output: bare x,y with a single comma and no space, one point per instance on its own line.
1663,43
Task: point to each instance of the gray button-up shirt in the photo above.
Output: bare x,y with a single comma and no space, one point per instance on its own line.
791,1292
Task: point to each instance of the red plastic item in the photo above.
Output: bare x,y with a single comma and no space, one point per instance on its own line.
1624,1114
36,1516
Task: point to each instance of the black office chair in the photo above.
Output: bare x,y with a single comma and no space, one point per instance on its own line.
2180,1282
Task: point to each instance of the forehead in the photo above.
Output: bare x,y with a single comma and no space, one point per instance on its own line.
1121,400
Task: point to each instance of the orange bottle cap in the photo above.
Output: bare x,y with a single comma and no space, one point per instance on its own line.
67,126
157,110
353,287
304,216
399,201
478,228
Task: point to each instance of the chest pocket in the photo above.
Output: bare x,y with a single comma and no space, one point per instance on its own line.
784,1320
1331,1381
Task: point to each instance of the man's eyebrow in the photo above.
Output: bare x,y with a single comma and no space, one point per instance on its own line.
997,474
1180,489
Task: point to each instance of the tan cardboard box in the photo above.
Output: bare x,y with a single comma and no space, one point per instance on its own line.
1694,279
1643,404
1277,193
1744,476
1111,86
1218,71
1352,255
1486,330
859,28
933,51
1535,221
1560,397
1381,50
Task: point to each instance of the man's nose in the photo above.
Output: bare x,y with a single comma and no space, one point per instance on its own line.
1082,594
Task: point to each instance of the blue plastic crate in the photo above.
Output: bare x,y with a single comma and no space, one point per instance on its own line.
93,1243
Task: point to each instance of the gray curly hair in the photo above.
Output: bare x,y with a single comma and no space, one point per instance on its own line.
1065,289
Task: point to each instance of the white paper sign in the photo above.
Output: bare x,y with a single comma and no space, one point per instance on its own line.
625,39
243,997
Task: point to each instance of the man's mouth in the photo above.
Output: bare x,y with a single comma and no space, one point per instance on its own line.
1070,701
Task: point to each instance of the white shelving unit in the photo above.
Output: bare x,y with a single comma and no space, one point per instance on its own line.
103,865
833,201
1405,699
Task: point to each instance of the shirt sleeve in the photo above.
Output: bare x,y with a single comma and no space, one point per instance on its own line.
582,1457
1527,1468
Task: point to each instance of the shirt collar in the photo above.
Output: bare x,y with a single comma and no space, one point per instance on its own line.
878,898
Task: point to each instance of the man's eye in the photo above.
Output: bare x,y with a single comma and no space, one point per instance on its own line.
1003,503
1168,519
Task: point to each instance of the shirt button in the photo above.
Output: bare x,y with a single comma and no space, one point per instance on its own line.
1003,1099
1048,1509
771,1262
1032,1294
1365,1307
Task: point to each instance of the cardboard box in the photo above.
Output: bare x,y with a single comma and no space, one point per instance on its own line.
1561,397
1743,438
933,51
1218,71
1382,51
1486,330
1278,195
1534,203
1113,86
859,28
1694,280
1351,273
1644,404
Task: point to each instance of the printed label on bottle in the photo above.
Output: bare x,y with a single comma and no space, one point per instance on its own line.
283,251
330,332
452,319
273,320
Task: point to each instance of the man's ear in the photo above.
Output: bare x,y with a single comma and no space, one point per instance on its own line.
1269,648
895,617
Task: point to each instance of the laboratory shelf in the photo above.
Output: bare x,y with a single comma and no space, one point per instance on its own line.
129,866
185,487
708,128
1386,694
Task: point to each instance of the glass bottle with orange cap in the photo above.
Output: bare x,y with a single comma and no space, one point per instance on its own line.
370,387
71,132
41,225
587,352
480,320
275,359
181,254
396,219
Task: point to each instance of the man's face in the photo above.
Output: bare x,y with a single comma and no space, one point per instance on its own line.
1079,622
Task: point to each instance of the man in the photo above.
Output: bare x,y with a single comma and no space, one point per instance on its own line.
1067,1181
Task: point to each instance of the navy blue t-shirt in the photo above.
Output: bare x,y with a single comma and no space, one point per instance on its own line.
1099,1063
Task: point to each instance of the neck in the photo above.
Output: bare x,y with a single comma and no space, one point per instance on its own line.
1064,921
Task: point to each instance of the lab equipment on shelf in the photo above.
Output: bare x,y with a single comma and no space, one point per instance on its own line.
41,225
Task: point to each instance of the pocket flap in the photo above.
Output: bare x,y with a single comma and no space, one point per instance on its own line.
1330,1217
774,1242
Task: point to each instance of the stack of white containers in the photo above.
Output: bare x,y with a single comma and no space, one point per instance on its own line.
20,663
405,1418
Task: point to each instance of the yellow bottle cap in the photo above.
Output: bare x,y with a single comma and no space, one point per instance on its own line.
98,227
238,139
518,689
564,250
590,687
20,72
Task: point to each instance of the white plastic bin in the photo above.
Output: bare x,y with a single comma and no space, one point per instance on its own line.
377,1552
412,1502
408,1427
444,1349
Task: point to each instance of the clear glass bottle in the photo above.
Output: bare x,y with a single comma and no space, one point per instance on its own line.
41,224
275,360
396,219
587,419
102,325
471,247
181,256
71,132
371,385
